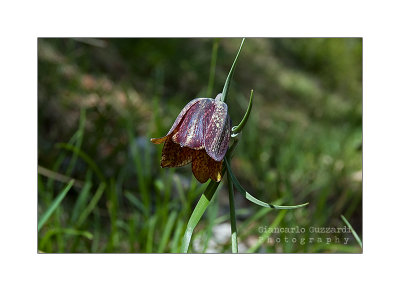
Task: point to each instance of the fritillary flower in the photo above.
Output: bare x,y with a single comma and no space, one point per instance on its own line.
200,135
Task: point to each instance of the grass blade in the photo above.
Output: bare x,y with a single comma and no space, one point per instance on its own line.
175,240
66,231
150,234
193,221
136,202
80,133
54,205
138,159
92,204
352,231
82,199
167,232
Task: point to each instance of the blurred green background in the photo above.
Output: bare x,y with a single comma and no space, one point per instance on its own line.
101,100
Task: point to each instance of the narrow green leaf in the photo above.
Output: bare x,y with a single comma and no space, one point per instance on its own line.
176,238
54,205
150,234
237,129
82,200
197,213
68,231
139,160
167,231
193,221
133,221
136,202
60,160
80,134
92,204
352,231
95,247
212,68
230,75
249,197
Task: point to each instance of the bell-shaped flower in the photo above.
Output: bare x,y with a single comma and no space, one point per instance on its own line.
200,135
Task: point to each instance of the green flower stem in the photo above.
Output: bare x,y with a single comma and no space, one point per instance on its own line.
232,216
237,129
230,75
203,203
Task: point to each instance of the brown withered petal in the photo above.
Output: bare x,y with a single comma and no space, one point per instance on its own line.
200,134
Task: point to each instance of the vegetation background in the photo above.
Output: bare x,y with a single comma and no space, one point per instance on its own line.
101,100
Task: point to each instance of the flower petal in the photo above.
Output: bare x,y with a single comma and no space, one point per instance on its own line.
159,140
204,167
173,155
218,132
177,121
192,130
200,166
215,169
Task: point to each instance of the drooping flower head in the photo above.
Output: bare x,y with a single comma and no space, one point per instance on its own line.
200,135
